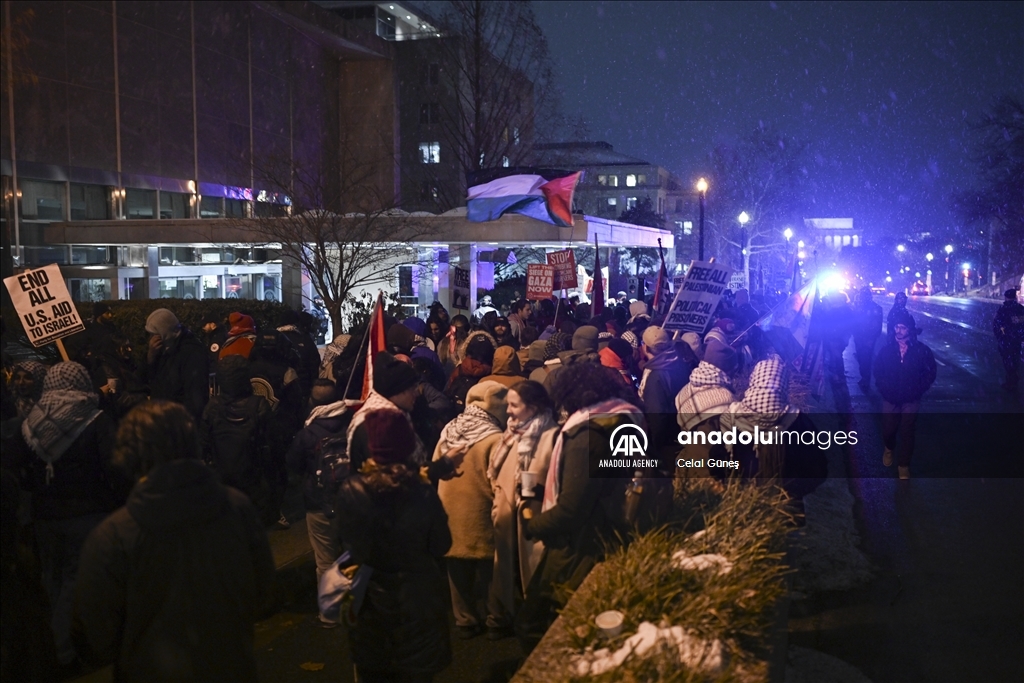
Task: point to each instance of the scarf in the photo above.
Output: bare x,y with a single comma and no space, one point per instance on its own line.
336,409
24,404
54,423
467,428
765,402
661,361
528,433
334,349
708,393
377,402
613,406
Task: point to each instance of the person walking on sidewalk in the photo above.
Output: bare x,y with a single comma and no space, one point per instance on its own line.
904,371
1008,326
866,330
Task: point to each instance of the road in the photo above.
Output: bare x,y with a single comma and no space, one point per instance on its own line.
948,600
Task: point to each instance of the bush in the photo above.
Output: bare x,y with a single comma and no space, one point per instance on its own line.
130,318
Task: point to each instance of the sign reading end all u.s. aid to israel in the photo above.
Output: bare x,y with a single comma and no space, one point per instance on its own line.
44,305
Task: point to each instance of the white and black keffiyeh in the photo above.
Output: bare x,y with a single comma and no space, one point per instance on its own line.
468,428
377,402
67,406
708,393
766,401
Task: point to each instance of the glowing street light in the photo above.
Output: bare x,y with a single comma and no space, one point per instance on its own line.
929,256
949,248
702,190
788,234
743,218
801,244
901,248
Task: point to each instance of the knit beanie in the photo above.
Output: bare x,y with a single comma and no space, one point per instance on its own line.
233,377
637,308
490,396
389,436
163,323
657,340
902,317
621,348
555,344
584,339
417,325
241,324
537,351
391,376
722,356
481,349
401,337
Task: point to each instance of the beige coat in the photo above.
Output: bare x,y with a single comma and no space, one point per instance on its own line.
510,546
467,498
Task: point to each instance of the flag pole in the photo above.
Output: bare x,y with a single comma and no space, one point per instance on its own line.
366,337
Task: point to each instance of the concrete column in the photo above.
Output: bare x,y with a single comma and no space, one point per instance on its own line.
152,272
291,282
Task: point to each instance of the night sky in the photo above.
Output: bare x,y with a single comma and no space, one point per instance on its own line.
881,91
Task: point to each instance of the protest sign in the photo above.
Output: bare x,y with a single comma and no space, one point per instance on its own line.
44,305
460,288
539,281
565,268
697,297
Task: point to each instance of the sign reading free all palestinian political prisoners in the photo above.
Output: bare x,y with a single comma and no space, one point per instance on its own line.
460,288
697,297
540,279
44,305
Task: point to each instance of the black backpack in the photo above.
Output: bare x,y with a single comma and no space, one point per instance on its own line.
237,447
332,465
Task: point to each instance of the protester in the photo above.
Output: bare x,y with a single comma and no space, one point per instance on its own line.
1008,328
618,355
448,350
331,352
664,376
477,353
394,523
904,371
469,440
394,391
518,319
73,487
574,523
170,584
502,331
234,439
741,311
837,326
709,391
525,446
584,350
212,335
505,367
241,336
27,380
322,321
176,364
867,328
308,368
486,306
899,306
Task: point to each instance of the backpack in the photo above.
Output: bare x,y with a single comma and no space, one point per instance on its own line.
332,465
237,448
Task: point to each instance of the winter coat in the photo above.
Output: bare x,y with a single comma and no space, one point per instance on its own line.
181,374
664,376
506,369
169,586
469,372
467,500
904,379
867,322
394,523
250,472
1008,326
308,368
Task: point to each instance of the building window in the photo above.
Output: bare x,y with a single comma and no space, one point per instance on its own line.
89,202
630,180
504,162
641,179
687,227
602,180
679,206
211,207
42,201
515,135
235,208
430,152
433,74
428,192
89,256
174,205
613,181
139,203
630,202
429,113
612,201
406,290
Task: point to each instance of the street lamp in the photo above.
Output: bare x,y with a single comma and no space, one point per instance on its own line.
743,218
929,256
702,190
788,234
949,265
901,248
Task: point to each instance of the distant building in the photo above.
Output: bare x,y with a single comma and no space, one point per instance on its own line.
832,233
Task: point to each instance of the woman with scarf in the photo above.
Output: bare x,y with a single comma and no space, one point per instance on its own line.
575,522
525,446
71,442
469,440
27,381
700,404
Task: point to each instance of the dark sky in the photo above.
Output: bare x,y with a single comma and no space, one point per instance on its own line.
881,91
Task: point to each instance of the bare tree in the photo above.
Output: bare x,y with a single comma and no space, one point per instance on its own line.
499,87
763,177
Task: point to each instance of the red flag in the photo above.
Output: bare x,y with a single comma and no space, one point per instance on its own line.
597,298
375,342
661,297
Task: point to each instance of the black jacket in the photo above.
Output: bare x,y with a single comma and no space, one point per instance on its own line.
904,379
169,586
1008,325
867,322
181,374
301,456
394,522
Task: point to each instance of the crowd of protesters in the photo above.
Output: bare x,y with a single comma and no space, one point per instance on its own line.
462,478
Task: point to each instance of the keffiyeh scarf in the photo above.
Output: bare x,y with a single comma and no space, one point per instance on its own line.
377,402
528,434
467,429
708,393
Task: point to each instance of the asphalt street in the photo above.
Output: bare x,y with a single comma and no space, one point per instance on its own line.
947,603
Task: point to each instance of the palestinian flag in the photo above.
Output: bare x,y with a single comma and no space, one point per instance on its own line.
542,197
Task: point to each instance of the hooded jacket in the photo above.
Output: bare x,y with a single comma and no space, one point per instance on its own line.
904,379
506,369
169,586
181,374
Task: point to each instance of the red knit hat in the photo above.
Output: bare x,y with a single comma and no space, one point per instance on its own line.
390,437
241,324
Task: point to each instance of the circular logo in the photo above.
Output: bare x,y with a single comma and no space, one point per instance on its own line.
628,440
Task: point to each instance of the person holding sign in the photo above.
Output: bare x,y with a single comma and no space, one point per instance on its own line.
176,363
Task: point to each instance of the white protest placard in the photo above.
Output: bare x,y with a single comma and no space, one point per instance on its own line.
697,297
737,281
565,268
44,305
460,288
540,279
677,283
